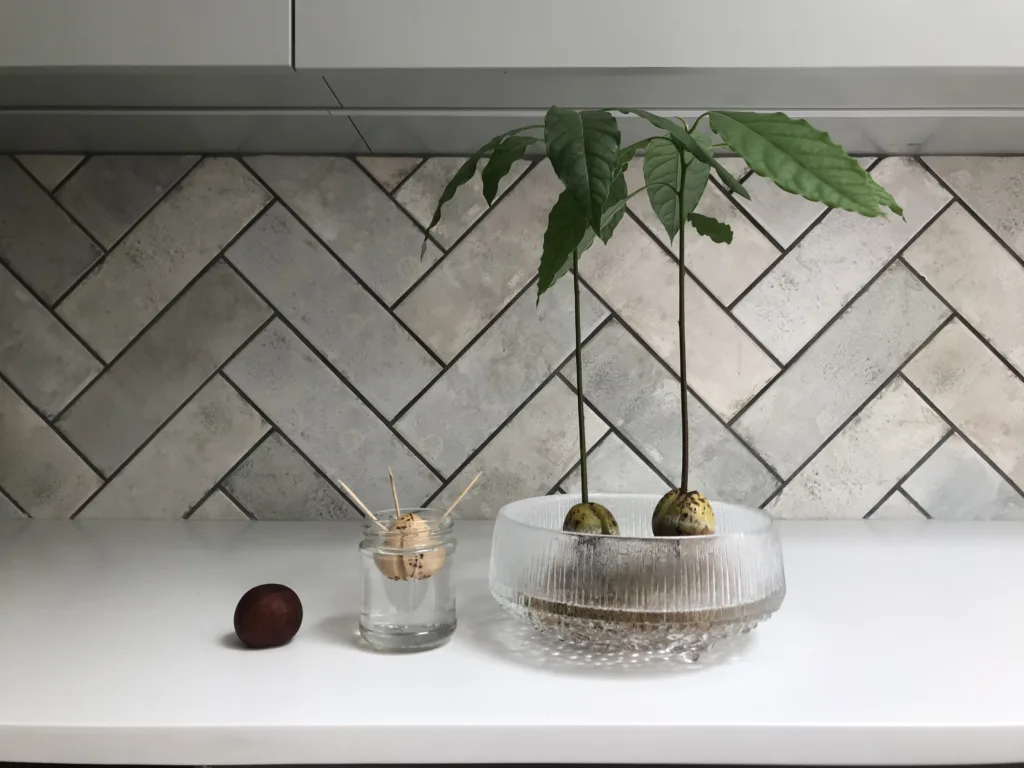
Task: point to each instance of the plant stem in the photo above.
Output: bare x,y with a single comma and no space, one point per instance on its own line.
684,485
579,374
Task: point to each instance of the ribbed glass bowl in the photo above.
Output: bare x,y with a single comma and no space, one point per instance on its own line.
636,591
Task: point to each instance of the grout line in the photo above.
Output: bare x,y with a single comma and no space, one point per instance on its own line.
856,412
842,311
458,241
714,299
216,485
335,96
961,434
70,174
163,424
465,349
913,501
234,499
219,258
349,270
917,465
16,505
408,176
597,443
94,267
335,372
508,419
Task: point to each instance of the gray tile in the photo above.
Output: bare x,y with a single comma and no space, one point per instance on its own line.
507,363
957,484
977,275
785,216
897,507
276,483
818,277
111,192
484,272
635,392
218,507
37,354
37,239
976,392
8,511
641,283
419,196
164,367
37,468
325,420
335,314
993,187
389,171
726,270
865,460
163,253
527,457
613,467
186,458
50,170
350,213
818,392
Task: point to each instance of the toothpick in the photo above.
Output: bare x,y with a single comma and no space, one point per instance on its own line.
471,484
394,492
366,510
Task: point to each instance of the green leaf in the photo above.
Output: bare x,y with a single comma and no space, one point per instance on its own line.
663,174
696,179
583,148
566,227
802,160
626,154
690,144
465,174
505,155
615,208
718,231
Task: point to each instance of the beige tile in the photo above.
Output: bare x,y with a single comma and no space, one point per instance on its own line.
500,370
334,313
975,391
818,392
185,459
784,215
527,457
361,224
219,507
614,467
957,484
37,468
389,171
897,507
38,355
726,270
484,272
641,283
994,189
419,196
863,462
163,253
829,266
976,274
50,170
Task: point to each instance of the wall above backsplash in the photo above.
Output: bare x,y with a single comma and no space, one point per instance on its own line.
220,337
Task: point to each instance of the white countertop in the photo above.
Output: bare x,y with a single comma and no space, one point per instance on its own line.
898,643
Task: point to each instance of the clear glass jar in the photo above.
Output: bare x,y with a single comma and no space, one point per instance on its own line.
408,580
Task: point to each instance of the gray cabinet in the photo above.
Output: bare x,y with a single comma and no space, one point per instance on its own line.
145,34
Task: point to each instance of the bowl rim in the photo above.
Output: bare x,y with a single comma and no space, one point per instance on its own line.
765,524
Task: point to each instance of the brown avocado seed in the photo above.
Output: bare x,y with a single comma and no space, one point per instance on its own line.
683,514
426,556
590,518
268,616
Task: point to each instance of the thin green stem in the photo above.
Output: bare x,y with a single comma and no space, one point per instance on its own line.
684,485
579,375
696,122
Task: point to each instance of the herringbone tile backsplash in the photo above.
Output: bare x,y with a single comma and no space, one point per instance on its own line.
220,338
